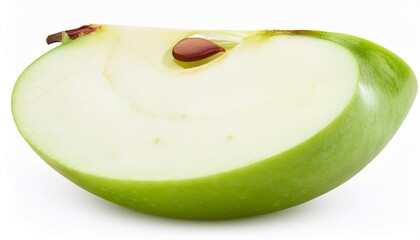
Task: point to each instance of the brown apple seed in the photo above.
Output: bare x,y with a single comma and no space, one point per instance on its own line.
195,49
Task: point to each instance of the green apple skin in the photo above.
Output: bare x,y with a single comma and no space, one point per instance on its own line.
386,91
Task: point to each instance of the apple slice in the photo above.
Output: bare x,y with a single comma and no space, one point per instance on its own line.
274,119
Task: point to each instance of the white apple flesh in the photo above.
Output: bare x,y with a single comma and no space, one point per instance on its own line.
275,121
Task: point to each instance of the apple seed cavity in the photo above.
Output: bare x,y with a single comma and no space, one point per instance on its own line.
195,49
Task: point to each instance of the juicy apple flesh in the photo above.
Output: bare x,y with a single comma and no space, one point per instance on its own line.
278,119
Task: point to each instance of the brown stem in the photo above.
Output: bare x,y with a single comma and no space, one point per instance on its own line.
72,33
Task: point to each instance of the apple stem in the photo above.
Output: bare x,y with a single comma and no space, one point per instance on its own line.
72,33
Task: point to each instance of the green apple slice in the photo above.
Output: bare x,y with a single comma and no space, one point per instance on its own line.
280,118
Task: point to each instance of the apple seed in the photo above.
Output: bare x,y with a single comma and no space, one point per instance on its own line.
195,49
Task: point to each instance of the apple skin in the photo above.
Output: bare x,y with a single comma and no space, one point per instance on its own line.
386,91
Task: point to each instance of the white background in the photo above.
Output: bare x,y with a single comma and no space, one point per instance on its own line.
381,202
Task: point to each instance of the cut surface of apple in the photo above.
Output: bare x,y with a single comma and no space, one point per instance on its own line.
276,120
128,116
